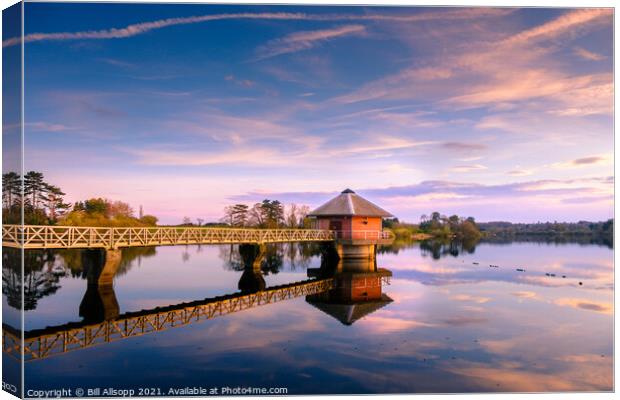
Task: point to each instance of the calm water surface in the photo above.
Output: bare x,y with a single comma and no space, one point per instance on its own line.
454,324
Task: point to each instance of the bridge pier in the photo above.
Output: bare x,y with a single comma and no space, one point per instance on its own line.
99,302
252,279
101,265
356,251
112,262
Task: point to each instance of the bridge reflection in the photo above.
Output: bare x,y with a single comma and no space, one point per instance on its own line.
346,289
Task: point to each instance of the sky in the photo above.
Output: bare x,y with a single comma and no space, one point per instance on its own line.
496,113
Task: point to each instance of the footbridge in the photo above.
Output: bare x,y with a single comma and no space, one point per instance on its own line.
77,237
43,343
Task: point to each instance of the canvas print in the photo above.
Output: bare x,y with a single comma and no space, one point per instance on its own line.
229,199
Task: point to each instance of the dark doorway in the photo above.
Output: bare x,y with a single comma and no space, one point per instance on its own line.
335,225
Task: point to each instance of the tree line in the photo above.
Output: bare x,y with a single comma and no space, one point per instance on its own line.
43,204
267,214
104,212
453,226
603,230
436,225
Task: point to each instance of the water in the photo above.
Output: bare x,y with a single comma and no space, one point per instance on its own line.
451,325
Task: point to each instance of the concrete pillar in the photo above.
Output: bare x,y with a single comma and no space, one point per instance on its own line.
357,251
99,304
252,279
252,255
112,262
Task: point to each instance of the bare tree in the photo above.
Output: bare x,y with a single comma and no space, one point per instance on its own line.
257,215
292,216
236,215
302,215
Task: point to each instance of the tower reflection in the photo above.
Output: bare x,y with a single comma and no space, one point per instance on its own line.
356,291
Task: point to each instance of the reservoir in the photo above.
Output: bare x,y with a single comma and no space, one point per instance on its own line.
505,317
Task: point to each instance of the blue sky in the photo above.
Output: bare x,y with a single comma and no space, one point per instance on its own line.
502,114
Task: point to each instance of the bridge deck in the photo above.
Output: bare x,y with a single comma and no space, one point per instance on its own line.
72,237
43,343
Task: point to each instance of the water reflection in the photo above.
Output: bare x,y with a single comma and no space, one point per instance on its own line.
438,248
346,289
357,290
451,324
296,255
41,277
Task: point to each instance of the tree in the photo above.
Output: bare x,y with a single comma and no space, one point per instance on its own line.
256,215
149,220
55,202
228,215
35,189
467,229
273,212
11,189
239,215
97,205
118,209
200,221
292,216
302,213
236,215
454,222
79,206
186,221
11,198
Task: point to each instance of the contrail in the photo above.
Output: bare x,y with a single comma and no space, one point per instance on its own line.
138,29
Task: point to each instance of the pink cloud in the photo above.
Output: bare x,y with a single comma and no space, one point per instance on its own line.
305,40
588,55
565,24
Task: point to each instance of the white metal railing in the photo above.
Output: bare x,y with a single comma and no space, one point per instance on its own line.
52,237
65,237
364,235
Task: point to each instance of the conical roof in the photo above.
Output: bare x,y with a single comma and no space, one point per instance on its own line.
350,203
348,313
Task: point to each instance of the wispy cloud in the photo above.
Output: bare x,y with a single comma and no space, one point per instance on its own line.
47,127
588,55
381,144
463,146
468,168
519,172
118,63
240,82
585,304
144,27
468,297
525,295
238,156
581,162
588,160
558,188
305,40
565,24
242,151
516,68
